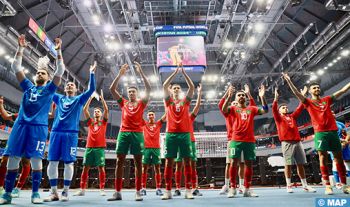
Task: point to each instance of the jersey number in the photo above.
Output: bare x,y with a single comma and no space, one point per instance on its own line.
177,108
33,97
73,151
319,143
40,146
244,116
233,151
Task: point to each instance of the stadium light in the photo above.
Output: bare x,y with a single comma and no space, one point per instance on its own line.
330,64
228,44
108,27
259,27
127,46
96,19
87,3
345,53
2,51
251,41
313,77
320,72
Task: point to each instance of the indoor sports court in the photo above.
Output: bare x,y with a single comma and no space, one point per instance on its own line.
175,102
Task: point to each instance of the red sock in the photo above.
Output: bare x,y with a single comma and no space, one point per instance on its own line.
178,175
324,173
118,184
102,176
84,178
168,174
248,175
3,170
194,178
188,173
342,172
138,181
144,180
158,180
23,177
233,175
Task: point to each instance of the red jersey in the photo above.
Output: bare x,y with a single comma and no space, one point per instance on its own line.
287,127
228,119
132,113
97,133
321,115
192,118
177,112
151,133
243,123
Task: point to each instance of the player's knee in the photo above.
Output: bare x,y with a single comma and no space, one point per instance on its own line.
13,163
36,163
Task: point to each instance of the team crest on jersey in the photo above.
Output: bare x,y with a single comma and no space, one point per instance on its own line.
248,111
151,128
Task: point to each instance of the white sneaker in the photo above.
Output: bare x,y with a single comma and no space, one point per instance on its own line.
80,192
241,189
231,193
64,196
249,193
117,196
224,190
339,186
328,190
167,195
289,189
138,196
188,194
52,197
309,189
36,198
102,192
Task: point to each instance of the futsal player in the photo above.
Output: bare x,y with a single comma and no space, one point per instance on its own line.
64,134
130,137
325,127
151,153
178,138
179,159
292,148
94,155
243,137
29,133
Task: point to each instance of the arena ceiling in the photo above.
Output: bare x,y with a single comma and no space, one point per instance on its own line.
249,41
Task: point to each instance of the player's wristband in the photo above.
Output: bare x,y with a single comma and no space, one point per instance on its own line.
265,108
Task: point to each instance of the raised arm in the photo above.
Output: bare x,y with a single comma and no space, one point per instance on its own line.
265,108
228,100
163,118
86,108
3,112
145,81
247,92
60,67
167,82
293,88
113,87
189,82
341,91
92,85
105,107
16,65
198,102
275,113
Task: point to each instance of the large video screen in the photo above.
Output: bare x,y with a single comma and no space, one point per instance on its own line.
189,50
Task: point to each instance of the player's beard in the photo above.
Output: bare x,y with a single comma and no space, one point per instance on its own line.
40,81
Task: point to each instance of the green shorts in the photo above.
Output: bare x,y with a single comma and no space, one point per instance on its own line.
151,156
248,149
130,142
194,153
327,141
94,157
177,143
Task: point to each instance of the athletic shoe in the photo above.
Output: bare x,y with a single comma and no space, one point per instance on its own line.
167,195
290,189
309,189
231,193
240,190
6,198
339,186
36,198
188,194
197,193
15,193
51,197
159,192
117,196
143,192
224,190
2,191
328,190
138,196
64,196
249,193
102,192
177,192
80,192
346,189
